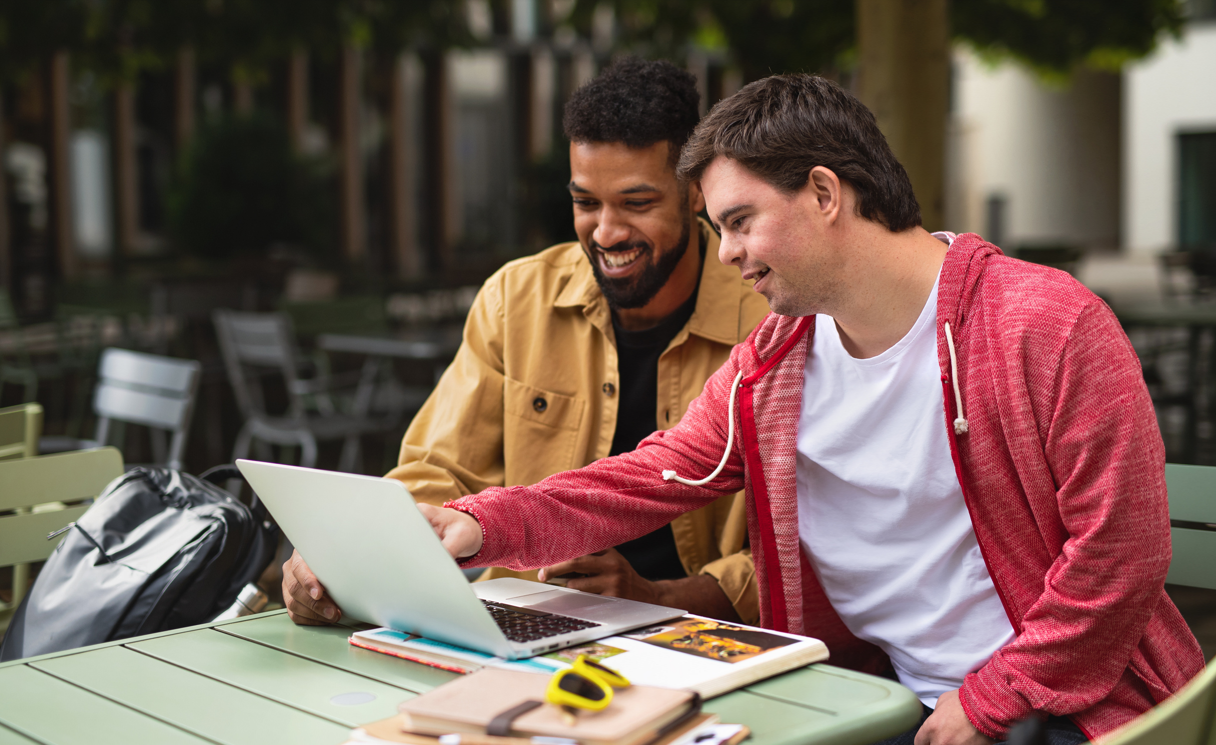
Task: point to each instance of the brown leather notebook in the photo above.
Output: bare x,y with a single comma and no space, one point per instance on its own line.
637,714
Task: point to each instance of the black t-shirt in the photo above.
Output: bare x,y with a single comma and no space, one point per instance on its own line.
653,555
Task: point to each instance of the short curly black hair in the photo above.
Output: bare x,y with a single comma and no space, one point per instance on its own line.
636,102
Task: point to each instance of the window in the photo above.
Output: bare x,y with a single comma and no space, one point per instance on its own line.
1197,191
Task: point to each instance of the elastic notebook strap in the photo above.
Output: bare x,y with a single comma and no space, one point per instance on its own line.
500,725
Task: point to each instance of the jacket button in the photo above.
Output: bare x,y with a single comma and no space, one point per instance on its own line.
609,389
540,404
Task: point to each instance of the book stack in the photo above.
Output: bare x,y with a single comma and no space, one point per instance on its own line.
459,713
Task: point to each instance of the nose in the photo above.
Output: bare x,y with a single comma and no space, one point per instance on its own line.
611,229
730,250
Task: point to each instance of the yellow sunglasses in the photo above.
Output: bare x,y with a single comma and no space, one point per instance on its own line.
585,685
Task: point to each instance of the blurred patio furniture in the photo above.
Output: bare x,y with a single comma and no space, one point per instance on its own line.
1061,257
20,428
1182,332
184,309
41,495
259,345
1192,494
145,389
1188,275
309,286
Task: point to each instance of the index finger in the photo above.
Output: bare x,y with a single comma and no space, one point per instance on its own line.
585,565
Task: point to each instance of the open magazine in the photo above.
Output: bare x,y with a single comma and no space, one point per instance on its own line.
694,653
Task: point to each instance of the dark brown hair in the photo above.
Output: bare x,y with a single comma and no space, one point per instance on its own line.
781,127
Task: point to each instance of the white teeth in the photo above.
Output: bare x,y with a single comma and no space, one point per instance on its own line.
620,258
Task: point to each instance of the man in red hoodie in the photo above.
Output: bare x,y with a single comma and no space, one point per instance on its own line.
952,464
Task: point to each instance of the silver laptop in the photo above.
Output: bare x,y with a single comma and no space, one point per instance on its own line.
382,563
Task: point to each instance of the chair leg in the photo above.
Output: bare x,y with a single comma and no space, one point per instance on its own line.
243,438
350,454
308,451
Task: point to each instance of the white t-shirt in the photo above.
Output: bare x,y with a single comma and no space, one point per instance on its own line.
881,514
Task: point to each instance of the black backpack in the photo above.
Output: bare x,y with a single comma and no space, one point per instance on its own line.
158,550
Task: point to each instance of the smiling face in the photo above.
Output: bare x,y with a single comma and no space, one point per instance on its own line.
784,242
635,224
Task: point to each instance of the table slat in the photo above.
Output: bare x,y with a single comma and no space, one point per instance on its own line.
328,644
9,737
277,675
191,701
55,711
863,708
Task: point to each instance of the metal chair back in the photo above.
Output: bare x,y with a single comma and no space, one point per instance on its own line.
147,389
254,343
1192,491
35,490
20,428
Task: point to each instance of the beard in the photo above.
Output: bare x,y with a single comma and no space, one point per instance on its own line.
636,291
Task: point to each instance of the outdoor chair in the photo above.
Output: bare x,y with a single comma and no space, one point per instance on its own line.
1186,718
257,345
145,389
20,427
1192,494
41,495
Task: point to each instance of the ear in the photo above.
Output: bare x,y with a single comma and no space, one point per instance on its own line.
696,197
825,188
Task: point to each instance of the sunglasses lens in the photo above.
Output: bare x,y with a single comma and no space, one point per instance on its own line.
581,687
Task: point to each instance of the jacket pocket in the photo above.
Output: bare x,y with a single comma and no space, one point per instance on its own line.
541,432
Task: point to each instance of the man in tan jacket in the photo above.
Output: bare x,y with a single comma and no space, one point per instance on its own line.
581,350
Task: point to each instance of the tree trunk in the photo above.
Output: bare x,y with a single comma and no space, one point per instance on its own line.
904,77
126,171
184,88
400,187
297,98
6,249
60,165
350,176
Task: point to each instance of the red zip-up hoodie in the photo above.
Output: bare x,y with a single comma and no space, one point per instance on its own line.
1061,464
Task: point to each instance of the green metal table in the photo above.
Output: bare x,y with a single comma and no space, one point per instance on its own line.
261,679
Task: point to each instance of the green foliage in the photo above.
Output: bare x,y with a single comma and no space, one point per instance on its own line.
1054,36
118,38
773,36
241,190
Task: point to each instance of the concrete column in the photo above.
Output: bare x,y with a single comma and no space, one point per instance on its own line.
59,166
904,77
350,175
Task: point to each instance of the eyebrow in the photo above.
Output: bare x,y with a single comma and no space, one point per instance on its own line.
727,213
636,189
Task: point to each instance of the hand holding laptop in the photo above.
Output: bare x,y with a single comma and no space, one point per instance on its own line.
309,605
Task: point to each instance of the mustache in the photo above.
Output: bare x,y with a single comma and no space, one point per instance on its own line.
619,247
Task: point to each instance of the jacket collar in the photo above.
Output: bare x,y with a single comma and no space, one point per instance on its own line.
716,316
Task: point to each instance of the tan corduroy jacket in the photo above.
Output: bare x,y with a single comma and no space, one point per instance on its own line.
533,392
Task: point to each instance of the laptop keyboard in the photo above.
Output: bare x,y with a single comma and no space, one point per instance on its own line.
527,625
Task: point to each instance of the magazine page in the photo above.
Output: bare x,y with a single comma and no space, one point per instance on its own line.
692,651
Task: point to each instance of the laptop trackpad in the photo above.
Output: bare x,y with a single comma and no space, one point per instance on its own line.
560,601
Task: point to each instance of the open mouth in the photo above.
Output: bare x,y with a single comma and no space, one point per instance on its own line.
620,258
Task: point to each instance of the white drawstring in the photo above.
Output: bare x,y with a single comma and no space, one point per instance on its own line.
960,422
670,475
